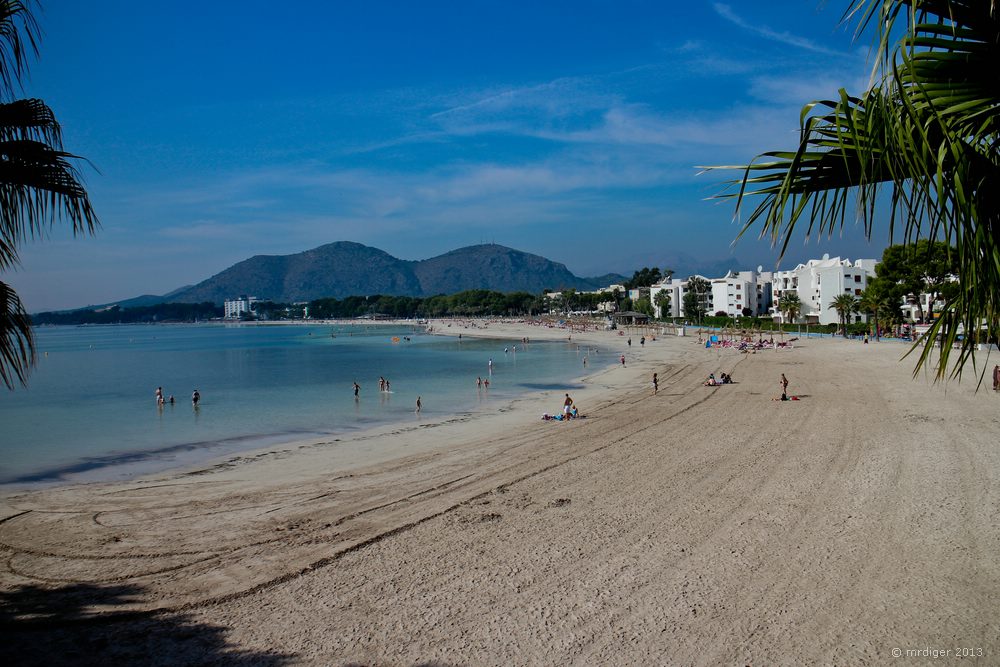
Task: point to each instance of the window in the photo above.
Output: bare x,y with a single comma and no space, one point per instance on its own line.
857,279
857,292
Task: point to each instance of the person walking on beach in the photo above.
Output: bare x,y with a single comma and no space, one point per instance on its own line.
996,378
623,361
357,388
656,384
784,387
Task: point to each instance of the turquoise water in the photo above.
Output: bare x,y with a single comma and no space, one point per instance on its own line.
90,407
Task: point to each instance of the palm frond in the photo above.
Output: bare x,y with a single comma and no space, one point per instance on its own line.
38,186
17,347
29,119
19,33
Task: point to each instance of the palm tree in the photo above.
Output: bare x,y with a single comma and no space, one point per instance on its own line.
695,300
874,300
845,305
38,183
790,305
928,131
662,302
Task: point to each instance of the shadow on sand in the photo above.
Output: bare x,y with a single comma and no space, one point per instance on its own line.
55,626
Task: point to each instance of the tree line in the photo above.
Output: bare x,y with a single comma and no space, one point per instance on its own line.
163,312
471,303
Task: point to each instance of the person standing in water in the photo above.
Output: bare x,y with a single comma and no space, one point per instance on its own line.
357,388
195,398
418,404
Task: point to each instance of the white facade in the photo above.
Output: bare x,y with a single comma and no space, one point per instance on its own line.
676,288
236,307
740,290
731,293
818,282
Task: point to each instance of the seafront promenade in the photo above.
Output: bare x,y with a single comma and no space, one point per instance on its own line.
700,525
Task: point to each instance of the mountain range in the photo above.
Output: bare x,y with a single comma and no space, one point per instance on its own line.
351,269
345,268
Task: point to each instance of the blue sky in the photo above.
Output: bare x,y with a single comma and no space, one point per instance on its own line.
571,130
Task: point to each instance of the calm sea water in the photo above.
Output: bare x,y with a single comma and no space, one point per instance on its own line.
90,407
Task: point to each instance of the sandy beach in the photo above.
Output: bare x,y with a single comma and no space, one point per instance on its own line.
702,525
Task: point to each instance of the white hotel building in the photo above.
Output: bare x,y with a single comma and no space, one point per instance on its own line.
818,282
236,307
731,293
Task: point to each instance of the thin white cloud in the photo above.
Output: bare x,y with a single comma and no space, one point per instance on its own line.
726,12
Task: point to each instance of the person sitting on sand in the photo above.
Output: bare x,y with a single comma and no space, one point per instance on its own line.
711,381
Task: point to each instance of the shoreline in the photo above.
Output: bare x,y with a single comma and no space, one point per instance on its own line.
703,525
195,458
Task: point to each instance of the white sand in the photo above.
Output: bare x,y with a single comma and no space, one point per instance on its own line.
699,526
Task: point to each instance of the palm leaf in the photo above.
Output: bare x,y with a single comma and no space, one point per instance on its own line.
17,348
18,41
29,119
